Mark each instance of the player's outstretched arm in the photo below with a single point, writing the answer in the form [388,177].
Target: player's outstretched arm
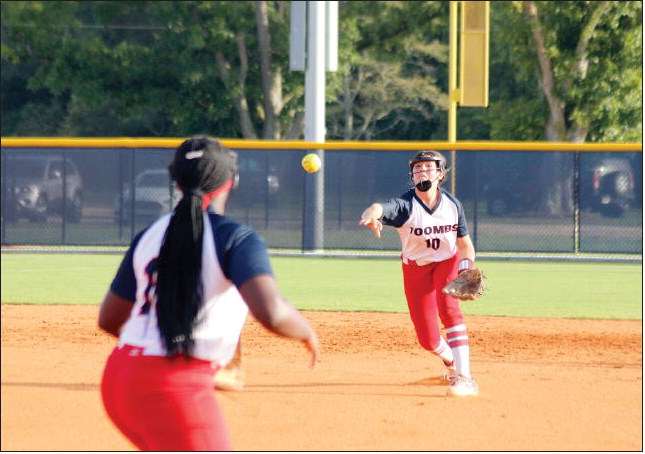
[277,314]
[371,218]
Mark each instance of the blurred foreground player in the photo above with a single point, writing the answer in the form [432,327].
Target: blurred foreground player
[178,304]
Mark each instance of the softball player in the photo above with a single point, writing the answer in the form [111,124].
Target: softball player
[435,248]
[178,304]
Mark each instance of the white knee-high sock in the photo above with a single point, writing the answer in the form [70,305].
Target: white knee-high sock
[458,341]
[462,360]
[444,352]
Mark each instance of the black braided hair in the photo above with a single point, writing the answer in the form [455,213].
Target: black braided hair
[200,166]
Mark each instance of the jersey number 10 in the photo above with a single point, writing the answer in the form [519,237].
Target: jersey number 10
[433,243]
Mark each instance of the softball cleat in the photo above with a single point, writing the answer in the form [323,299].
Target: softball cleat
[450,374]
[463,386]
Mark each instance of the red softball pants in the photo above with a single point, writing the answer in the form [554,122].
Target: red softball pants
[426,302]
[163,404]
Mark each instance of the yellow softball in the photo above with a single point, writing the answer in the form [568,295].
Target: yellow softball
[311,163]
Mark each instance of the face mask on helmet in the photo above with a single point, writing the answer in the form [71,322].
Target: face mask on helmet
[424,186]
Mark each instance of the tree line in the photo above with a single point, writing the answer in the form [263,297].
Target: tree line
[559,71]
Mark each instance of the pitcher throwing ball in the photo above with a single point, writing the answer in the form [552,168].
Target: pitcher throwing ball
[435,247]
[178,304]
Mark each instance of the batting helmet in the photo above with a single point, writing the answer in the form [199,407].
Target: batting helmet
[429,155]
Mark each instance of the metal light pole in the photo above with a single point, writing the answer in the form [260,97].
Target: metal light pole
[316,23]
[453,92]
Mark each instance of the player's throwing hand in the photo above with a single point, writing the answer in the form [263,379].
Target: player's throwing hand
[371,218]
[373,224]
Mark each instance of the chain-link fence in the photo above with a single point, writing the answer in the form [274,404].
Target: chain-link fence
[531,202]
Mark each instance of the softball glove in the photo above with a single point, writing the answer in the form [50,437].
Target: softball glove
[469,285]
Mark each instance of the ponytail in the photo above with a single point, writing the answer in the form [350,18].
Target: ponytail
[201,166]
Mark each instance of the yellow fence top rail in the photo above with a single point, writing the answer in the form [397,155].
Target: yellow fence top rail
[127,142]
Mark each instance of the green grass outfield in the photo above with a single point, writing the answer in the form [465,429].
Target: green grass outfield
[521,288]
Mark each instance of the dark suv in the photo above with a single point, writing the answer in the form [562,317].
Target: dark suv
[39,185]
[606,186]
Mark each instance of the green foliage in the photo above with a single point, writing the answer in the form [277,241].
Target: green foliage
[140,68]
[391,59]
[601,88]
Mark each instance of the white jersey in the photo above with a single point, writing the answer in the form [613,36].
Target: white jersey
[228,249]
[427,235]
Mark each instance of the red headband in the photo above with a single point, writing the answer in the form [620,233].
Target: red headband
[221,190]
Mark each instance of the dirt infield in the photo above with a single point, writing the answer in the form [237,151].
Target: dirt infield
[546,385]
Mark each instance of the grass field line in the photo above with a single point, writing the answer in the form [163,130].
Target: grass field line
[515,288]
[348,254]
[77,268]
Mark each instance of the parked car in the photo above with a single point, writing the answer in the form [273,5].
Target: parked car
[606,186]
[253,173]
[259,183]
[35,185]
[154,194]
